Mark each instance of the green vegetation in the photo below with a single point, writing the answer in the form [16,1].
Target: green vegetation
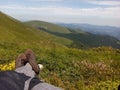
[69,68]
[13,30]
[80,39]
[49,26]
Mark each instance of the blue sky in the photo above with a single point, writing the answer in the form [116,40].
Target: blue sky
[98,12]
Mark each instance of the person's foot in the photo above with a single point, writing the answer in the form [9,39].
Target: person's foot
[20,61]
[31,59]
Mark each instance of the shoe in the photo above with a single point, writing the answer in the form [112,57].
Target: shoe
[20,61]
[31,59]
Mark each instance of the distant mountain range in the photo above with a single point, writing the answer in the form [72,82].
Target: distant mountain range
[15,31]
[95,29]
[79,37]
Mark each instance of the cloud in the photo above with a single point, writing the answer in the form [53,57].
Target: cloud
[111,12]
[110,15]
[47,0]
[111,3]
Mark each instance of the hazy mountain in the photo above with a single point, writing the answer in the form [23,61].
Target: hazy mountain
[80,38]
[95,29]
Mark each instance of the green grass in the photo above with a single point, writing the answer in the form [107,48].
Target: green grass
[69,68]
[49,26]
[13,30]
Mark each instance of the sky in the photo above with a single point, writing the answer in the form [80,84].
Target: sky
[97,12]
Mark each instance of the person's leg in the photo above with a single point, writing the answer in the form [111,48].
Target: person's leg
[27,70]
[32,61]
[31,68]
[45,86]
[21,60]
[26,63]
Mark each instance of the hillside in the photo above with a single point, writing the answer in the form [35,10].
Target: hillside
[48,26]
[95,29]
[80,38]
[13,30]
[69,68]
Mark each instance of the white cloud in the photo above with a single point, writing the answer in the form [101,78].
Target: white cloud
[47,0]
[65,14]
[111,12]
[112,3]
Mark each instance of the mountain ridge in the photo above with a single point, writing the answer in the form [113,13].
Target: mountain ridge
[95,29]
[46,25]
[80,38]
[14,30]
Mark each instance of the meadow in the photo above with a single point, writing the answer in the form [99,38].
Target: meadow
[95,68]
[69,68]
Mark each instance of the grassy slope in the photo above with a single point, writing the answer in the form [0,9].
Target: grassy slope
[13,30]
[72,69]
[49,26]
[81,39]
